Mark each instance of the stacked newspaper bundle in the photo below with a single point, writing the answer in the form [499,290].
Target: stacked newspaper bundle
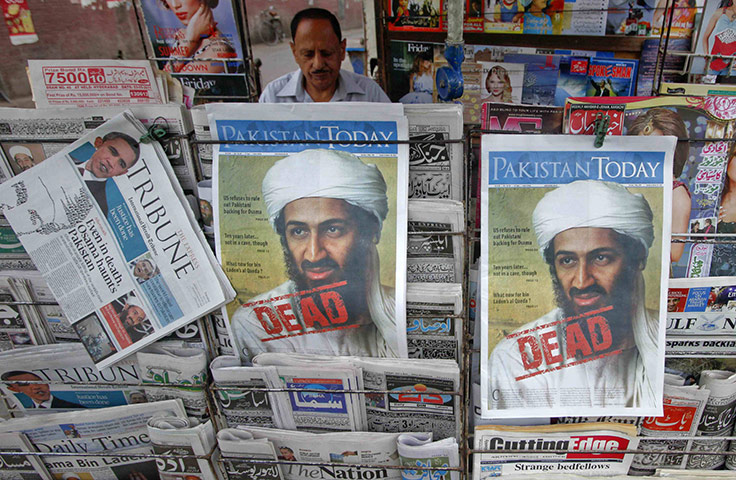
[175,372]
[117,430]
[717,420]
[418,451]
[62,376]
[16,466]
[239,448]
[185,437]
[553,449]
[312,455]
[431,330]
[21,325]
[434,254]
[435,168]
[107,225]
[201,127]
[421,394]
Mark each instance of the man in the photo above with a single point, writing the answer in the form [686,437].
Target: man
[134,319]
[112,155]
[22,157]
[144,269]
[328,207]
[39,393]
[600,343]
[319,49]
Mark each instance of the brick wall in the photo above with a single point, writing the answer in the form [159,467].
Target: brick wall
[67,30]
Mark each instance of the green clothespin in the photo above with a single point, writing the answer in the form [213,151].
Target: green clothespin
[155,132]
[600,129]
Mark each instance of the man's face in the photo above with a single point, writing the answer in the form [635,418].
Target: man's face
[319,53]
[23,161]
[134,316]
[287,453]
[39,392]
[589,263]
[112,158]
[143,269]
[320,235]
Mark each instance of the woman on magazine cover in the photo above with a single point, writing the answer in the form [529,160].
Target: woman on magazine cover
[536,20]
[662,121]
[421,80]
[723,19]
[199,39]
[498,85]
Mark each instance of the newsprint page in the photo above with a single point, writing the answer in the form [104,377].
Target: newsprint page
[313,235]
[573,289]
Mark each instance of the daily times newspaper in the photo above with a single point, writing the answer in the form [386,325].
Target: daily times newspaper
[118,430]
[313,236]
[573,288]
[104,221]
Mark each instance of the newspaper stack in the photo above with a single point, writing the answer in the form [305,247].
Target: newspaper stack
[172,435]
[107,225]
[118,430]
[24,139]
[21,324]
[175,372]
[717,420]
[202,133]
[436,169]
[65,378]
[434,254]
[430,332]
[553,449]
[238,447]
[95,83]
[418,451]
[683,409]
[326,455]
[17,466]
[222,335]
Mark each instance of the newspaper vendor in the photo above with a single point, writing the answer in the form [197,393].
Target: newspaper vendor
[329,226]
[319,50]
[595,237]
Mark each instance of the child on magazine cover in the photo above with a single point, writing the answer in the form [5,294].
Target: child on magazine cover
[535,18]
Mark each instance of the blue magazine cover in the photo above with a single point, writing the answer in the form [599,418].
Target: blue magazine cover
[611,77]
[540,77]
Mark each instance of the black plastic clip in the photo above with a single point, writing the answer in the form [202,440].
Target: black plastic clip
[600,129]
[155,132]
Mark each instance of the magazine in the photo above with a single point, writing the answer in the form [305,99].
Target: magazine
[501,82]
[346,293]
[557,332]
[411,71]
[104,221]
[608,77]
[577,17]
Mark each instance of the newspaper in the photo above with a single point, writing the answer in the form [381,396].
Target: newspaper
[561,322]
[66,378]
[202,132]
[238,446]
[93,83]
[683,409]
[345,296]
[175,372]
[119,430]
[17,329]
[17,466]
[338,450]
[111,236]
[436,170]
[23,131]
[430,333]
[434,255]
[717,420]
[553,449]
[171,435]
[701,307]
[418,451]
[222,334]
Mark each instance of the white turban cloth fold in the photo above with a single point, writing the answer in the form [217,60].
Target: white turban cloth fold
[13,151]
[593,203]
[327,174]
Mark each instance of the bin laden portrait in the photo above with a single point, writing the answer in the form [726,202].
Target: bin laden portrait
[600,344]
[328,209]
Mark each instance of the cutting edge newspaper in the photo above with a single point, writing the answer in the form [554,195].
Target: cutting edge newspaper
[539,446]
[116,242]
[537,368]
[302,308]
[117,430]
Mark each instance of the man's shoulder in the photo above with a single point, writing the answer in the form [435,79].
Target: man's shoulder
[270,93]
[373,91]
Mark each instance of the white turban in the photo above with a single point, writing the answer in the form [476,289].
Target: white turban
[13,151]
[327,174]
[592,203]
[132,301]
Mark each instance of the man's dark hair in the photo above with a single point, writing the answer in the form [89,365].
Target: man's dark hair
[15,373]
[315,13]
[128,139]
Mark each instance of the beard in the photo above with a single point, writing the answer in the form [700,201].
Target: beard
[355,273]
[621,298]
